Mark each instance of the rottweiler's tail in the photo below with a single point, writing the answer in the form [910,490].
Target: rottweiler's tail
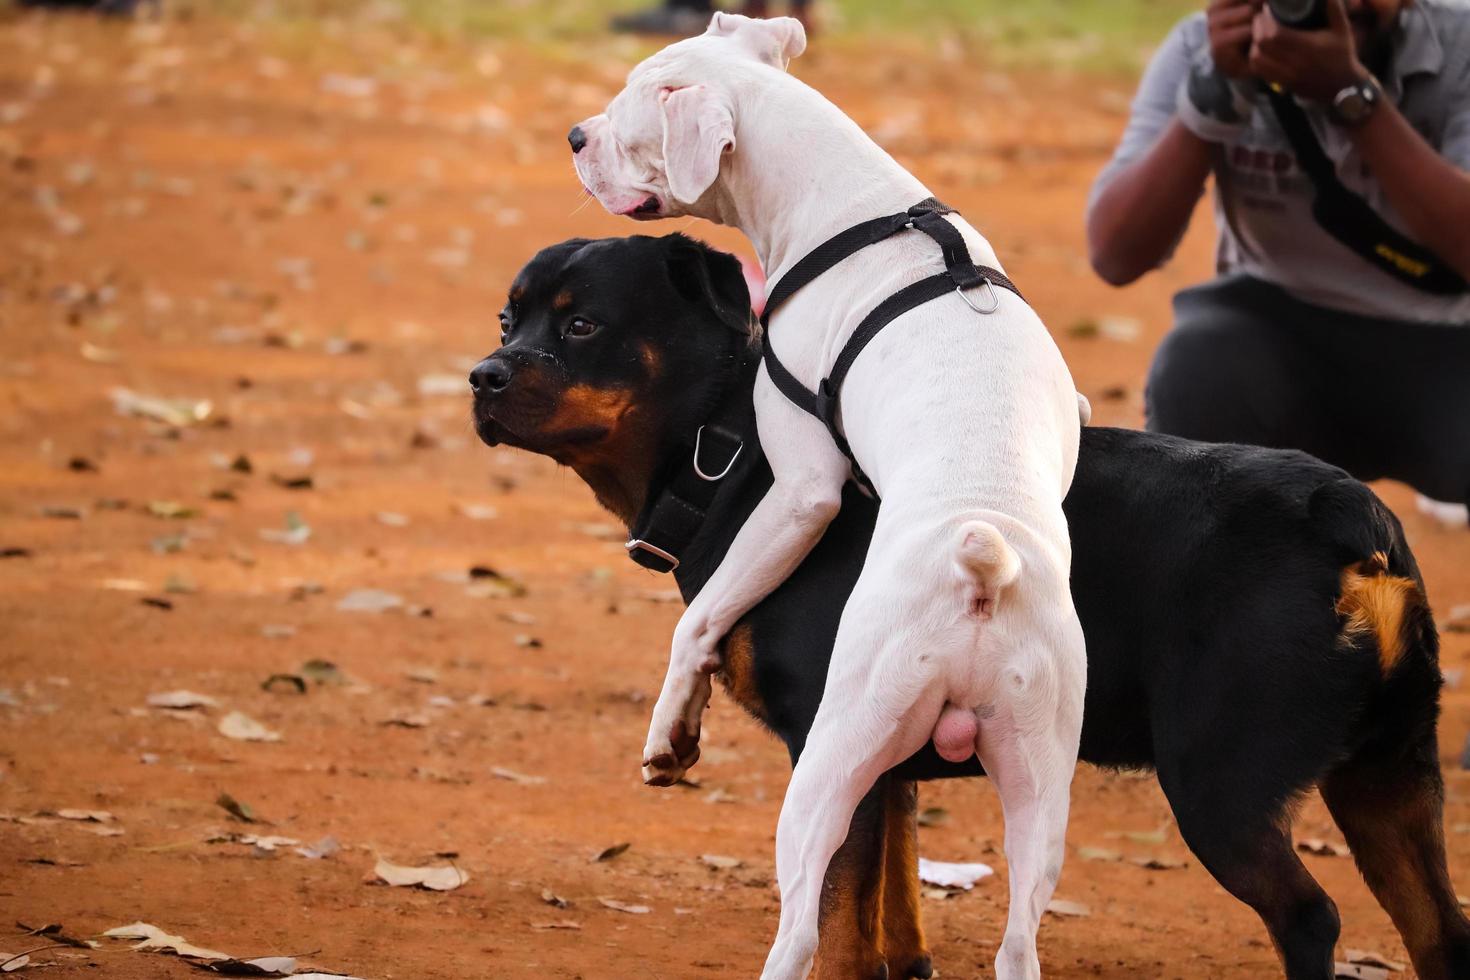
[988,565]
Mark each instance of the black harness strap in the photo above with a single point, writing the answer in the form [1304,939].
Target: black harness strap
[960,275]
[1352,221]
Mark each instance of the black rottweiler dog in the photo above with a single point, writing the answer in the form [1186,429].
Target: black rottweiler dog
[1256,625]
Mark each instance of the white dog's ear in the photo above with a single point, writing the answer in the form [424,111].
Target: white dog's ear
[698,129]
[775,41]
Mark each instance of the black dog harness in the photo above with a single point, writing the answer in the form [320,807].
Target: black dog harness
[960,275]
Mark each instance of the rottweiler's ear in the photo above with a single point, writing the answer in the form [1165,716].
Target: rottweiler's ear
[710,278]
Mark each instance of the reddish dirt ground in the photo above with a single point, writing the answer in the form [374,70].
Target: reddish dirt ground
[302,228]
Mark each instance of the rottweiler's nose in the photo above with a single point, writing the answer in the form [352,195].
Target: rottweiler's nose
[490,375]
[577,138]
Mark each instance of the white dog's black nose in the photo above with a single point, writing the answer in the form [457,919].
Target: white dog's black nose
[577,138]
[490,375]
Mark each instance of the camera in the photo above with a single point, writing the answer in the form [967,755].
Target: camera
[1303,15]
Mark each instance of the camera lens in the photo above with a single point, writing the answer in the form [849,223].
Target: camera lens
[1300,14]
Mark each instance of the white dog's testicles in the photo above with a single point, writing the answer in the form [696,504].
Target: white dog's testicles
[961,628]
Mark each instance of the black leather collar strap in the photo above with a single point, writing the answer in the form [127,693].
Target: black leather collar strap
[1352,221]
[675,513]
[960,275]
[681,495]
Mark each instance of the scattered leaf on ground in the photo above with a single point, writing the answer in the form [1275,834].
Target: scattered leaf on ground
[440,879]
[618,906]
[610,852]
[90,816]
[1099,854]
[155,938]
[240,811]
[323,848]
[1061,906]
[933,816]
[266,966]
[1363,957]
[559,924]
[500,772]
[181,700]
[1322,848]
[719,862]
[243,728]
[552,898]
[369,601]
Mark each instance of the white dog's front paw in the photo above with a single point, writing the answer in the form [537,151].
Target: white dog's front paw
[669,754]
[673,736]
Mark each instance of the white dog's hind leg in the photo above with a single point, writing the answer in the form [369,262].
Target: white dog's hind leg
[1029,753]
[855,738]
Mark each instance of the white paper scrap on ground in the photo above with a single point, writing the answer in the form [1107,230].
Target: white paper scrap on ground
[949,875]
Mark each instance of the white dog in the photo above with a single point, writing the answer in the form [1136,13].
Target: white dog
[961,627]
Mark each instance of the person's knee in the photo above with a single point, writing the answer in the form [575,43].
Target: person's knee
[1195,383]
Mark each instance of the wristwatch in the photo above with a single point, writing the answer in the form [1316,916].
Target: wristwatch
[1353,105]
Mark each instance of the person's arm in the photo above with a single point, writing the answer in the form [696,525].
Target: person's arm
[1143,202]
[1137,220]
[1428,190]
[1430,193]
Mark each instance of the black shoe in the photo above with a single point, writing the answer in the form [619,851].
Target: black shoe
[670,21]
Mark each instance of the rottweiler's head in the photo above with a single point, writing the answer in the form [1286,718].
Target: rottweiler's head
[610,350]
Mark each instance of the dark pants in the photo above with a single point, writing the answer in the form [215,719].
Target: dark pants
[1247,362]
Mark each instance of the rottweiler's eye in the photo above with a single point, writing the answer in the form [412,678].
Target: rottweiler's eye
[580,327]
[504,326]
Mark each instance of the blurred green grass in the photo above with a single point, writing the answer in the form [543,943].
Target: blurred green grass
[1104,35]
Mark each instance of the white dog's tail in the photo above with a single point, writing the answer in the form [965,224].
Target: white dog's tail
[988,565]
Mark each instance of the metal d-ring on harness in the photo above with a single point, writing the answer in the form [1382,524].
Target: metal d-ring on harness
[960,275]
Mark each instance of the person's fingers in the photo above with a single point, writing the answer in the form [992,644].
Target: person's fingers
[1230,37]
[1230,16]
[1269,68]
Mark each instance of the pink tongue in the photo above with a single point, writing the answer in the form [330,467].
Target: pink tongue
[954,734]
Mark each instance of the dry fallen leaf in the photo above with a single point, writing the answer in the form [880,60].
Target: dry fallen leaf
[440,879]
[90,816]
[719,862]
[265,966]
[323,848]
[155,938]
[369,601]
[243,728]
[1061,906]
[181,700]
[610,852]
[1099,854]
[1363,957]
[240,811]
[500,772]
[10,962]
[1322,848]
[559,924]
[552,898]
[618,906]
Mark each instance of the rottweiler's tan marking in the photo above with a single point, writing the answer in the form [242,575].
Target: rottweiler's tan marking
[1375,603]
[561,301]
[737,674]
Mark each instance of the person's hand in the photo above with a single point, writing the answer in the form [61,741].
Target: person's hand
[1231,31]
[1315,65]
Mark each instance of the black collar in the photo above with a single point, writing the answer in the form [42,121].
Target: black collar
[681,495]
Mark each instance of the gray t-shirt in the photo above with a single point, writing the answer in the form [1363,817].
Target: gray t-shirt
[1263,201]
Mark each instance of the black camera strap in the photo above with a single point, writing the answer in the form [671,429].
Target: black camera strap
[1351,220]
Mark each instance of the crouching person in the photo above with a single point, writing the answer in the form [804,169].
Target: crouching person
[1338,133]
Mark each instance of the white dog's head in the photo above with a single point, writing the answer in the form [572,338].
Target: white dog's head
[658,147]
